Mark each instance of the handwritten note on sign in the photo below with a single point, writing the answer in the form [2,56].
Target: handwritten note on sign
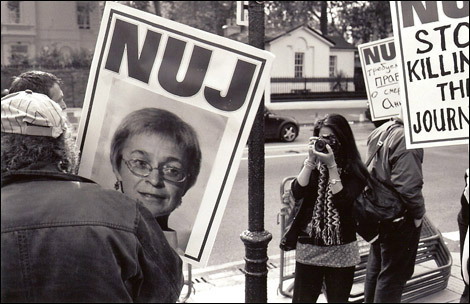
[146,64]
[381,75]
[432,43]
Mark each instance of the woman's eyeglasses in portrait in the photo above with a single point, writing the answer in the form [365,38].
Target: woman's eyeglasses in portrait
[142,168]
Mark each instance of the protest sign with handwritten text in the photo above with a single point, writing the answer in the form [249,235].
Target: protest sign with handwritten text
[432,44]
[381,75]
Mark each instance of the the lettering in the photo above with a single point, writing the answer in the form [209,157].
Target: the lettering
[237,91]
[388,104]
[433,67]
[422,36]
[386,80]
[391,91]
[454,87]
[419,37]
[427,12]
[376,54]
[383,68]
[440,120]
[457,36]
[125,35]
[125,38]
[171,63]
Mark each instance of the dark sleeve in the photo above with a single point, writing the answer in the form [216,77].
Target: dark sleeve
[351,188]
[299,192]
[160,266]
[407,178]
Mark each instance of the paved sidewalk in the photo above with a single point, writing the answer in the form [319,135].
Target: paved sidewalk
[226,284]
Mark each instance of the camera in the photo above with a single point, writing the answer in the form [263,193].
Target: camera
[320,145]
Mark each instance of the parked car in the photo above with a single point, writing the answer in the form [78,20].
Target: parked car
[283,128]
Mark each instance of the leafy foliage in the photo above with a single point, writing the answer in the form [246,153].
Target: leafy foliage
[361,21]
[288,14]
[18,59]
[209,16]
[50,56]
[356,21]
[81,58]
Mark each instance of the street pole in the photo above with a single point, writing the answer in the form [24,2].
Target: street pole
[256,239]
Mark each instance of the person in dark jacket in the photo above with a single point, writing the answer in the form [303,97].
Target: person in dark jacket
[64,238]
[462,221]
[328,183]
[392,257]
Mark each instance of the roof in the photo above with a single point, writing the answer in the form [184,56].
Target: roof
[337,41]
[340,43]
[308,28]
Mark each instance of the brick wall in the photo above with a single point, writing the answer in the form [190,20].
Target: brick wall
[74,82]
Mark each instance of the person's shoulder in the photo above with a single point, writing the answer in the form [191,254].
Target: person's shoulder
[397,131]
[62,203]
[103,205]
[377,132]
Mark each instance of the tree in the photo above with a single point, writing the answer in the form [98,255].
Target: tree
[209,16]
[50,56]
[361,21]
[282,15]
[355,21]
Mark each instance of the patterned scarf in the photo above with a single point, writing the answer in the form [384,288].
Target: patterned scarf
[325,223]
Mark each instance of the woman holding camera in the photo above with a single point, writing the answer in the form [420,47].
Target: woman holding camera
[322,228]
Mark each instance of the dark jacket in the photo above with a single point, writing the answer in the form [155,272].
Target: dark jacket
[302,212]
[463,215]
[65,239]
[399,167]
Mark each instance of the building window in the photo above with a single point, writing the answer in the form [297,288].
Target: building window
[333,69]
[83,14]
[14,11]
[299,65]
[19,54]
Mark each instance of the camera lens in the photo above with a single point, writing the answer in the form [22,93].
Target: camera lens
[320,146]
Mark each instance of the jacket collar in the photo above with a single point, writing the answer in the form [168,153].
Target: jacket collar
[398,120]
[23,176]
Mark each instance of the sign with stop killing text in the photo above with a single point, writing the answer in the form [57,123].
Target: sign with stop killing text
[381,75]
[145,67]
[432,44]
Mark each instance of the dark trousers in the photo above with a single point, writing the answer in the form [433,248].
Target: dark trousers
[309,281]
[391,262]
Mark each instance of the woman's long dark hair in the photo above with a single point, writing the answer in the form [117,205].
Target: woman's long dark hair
[348,156]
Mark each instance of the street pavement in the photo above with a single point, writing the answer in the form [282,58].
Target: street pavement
[226,283]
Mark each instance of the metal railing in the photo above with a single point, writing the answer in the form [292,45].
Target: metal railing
[282,85]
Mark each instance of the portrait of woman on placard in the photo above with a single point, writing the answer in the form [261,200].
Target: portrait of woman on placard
[156,159]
